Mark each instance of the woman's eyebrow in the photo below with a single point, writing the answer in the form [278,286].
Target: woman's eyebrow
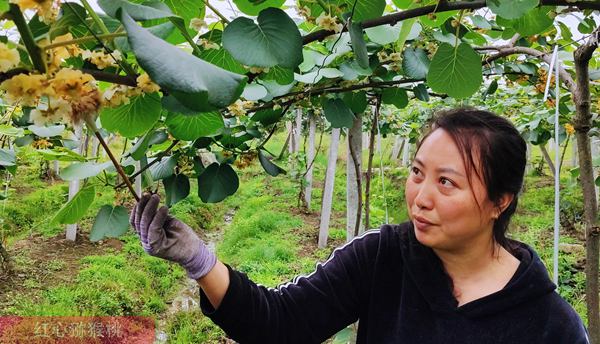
[440,169]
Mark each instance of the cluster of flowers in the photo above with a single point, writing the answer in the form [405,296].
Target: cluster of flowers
[69,95]
[240,107]
[394,60]
[47,10]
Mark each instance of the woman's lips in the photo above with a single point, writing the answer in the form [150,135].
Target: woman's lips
[422,223]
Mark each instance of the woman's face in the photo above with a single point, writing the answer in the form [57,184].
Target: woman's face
[448,213]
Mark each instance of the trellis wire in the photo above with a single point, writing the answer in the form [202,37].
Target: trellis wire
[555,62]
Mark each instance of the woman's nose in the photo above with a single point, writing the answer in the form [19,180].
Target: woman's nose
[424,197]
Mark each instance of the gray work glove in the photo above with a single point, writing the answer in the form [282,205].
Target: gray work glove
[164,236]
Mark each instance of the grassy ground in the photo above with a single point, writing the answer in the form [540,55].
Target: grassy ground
[270,238]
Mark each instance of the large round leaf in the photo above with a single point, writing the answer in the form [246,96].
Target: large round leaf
[511,9]
[82,170]
[76,208]
[137,11]
[274,41]
[254,7]
[356,101]
[47,131]
[132,119]
[533,22]
[223,59]
[111,222]
[195,83]
[365,9]
[217,182]
[455,71]
[282,76]
[188,128]
[177,187]
[415,63]
[338,113]
[384,34]
[163,169]
[395,96]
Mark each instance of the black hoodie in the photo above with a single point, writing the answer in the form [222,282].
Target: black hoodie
[399,292]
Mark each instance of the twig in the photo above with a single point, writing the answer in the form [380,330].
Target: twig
[157,158]
[84,40]
[358,183]
[374,127]
[216,11]
[92,126]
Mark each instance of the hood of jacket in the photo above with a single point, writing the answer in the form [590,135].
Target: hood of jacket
[530,281]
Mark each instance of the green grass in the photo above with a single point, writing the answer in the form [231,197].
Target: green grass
[126,283]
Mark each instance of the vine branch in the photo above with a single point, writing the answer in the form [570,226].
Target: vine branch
[158,157]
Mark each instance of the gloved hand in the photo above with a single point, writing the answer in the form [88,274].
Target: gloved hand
[164,236]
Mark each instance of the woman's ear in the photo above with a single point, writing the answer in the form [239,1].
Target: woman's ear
[503,203]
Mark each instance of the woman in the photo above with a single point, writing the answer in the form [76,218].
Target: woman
[447,276]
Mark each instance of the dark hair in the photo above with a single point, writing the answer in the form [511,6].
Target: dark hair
[502,156]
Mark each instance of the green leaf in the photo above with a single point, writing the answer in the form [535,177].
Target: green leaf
[60,154]
[384,34]
[396,96]
[76,208]
[111,222]
[365,9]
[132,119]
[217,182]
[533,22]
[268,165]
[141,146]
[3,6]
[491,89]
[8,160]
[338,114]
[415,63]
[267,116]
[71,13]
[282,76]
[47,131]
[254,92]
[191,127]
[356,101]
[9,130]
[359,47]
[421,93]
[163,169]
[82,170]
[195,83]
[137,11]
[439,18]
[177,187]
[222,58]
[511,9]
[161,31]
[455,71]
[253,8]
[274,41]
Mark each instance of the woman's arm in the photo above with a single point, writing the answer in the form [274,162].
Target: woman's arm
[307,310]
[215,284]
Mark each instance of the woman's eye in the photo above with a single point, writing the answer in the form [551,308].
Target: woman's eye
[415,170]
[446,182]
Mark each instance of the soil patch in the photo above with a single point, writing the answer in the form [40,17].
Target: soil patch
[38,263]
